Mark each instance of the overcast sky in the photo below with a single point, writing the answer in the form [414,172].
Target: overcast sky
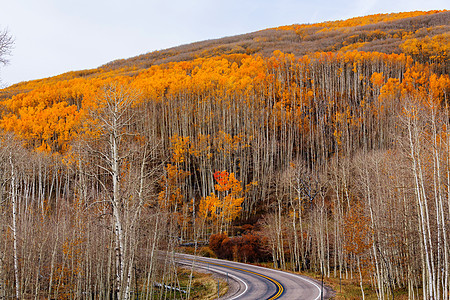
[57,36]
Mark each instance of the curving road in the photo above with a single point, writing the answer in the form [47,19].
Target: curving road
[254,282]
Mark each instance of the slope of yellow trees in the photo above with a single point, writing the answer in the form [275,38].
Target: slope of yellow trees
[63,104]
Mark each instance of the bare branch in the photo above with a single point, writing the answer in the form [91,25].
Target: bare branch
[6,44]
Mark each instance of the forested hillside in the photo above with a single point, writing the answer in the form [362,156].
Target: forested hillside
[320,147]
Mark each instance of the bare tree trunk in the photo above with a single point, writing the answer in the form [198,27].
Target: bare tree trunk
[360,280]
[117,207]
[14,227]
[421,199]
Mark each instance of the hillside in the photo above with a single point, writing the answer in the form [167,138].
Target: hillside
[385,33]
[382,33]
[321,148]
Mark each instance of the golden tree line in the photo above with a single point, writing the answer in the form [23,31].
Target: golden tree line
[359,21]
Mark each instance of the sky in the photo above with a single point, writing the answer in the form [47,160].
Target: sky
[57,36]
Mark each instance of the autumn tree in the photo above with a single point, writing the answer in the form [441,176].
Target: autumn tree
[225,207]
[116,143]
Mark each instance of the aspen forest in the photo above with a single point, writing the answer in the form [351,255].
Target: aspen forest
[321,148]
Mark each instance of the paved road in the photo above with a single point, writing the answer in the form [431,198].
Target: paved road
[253,282]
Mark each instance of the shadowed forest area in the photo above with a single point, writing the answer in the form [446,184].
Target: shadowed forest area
[319,148]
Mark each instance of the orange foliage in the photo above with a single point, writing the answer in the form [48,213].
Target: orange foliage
[226,207]
[357,231]
[179,147]
[435,49]
[48,115]
[171,182]
[171,197]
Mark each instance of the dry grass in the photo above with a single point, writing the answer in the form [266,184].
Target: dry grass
[204,285]
[350,289]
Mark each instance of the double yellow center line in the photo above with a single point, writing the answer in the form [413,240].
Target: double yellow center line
[279,286]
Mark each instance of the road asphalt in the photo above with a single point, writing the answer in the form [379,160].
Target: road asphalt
[253,282]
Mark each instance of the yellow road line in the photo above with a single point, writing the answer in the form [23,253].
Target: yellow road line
[280,287]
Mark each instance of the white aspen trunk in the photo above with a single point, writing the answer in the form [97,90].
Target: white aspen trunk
[447,272]
[280,237]
[127,295]
[372,220]
[109,270]
[52,266]
[439,213]
[429,275]
[38,269]
[428,231]
[446,248]
[328,247]
[424,267]
[152,254]
[14,227]
[133,224]
[296,250]
[361,281]
[117,207]
[322,240]
[115,120]
[300,222]
[432,279]
[40,193]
